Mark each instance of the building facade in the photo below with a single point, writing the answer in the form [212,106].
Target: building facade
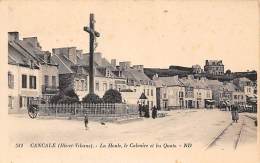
[214,67]
[27,66]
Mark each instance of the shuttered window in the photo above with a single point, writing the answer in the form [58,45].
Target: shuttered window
[32,82]
[10,80]
[24,81]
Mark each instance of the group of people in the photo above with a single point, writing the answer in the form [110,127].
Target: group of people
[144,111]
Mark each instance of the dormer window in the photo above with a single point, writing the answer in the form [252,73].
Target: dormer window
[31,64]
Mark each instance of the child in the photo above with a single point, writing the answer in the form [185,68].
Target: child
[86,120]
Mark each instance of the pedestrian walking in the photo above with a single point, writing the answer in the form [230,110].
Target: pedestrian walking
[86,120]
[140,110]
[234,113]
[154,112]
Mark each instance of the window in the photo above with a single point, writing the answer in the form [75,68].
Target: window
[147,92]
[235,96]
[144,91]
[46,80]
[10,80]
[181,94]
[10,102]
[53,81]
[76,84]
[164,95]
[104,86]
[24,81]
[151,92]
[32,82]
[86,85]
[82,85]
[21,101]
[97,86]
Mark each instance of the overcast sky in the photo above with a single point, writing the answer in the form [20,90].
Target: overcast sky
[153,33]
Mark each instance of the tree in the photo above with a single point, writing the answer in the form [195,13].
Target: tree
[71,93]
[228,72]
[56,98]
[92,98]
[112,96]
[66,96]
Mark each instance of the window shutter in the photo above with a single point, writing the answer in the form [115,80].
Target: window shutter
[12,81]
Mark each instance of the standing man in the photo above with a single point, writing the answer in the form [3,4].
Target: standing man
[154,112]
[86,120]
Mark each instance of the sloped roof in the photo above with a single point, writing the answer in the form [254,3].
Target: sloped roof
[171,81]
[230,87]
[18,55]
[24,52]
[136,75]
[64,67]
[244,79]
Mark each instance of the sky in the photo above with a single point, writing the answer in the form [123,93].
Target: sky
[153,33]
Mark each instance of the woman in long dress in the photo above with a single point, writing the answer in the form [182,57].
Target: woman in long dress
[234,113]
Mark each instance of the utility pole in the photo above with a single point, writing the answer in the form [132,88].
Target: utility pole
[92,37]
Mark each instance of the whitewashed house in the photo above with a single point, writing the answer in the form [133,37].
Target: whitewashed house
[170,92]
[137,83]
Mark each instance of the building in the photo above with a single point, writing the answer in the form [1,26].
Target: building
[27,64]
[214,67]
[138,83]
[197,92]
[170,92]
[196,69]
[74,72]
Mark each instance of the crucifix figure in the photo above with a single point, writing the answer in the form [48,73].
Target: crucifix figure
[92,37]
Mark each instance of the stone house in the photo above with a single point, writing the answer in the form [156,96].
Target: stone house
[172,92]
[139,83]
[74,72]
[214,67]
[25,71]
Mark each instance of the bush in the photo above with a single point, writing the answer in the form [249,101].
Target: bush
[55,99]
[66,96]
[71,93]
[67,99]
[112,96]
[92,98]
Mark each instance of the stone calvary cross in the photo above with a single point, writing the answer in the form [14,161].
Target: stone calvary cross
[92,36]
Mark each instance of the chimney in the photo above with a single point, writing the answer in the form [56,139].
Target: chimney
[207,62]
[125,65]
[190,77]
[113,62]
[12,36]
[72,54]
[33,41]
[139,67]
[98,58]
[79,53]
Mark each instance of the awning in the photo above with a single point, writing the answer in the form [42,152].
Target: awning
[210,101]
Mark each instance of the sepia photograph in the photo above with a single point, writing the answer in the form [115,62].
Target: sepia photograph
[131,81]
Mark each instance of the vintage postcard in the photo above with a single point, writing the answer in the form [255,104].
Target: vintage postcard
[129,81]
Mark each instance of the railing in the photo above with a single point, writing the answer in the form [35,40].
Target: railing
[49,89]
[93,110]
